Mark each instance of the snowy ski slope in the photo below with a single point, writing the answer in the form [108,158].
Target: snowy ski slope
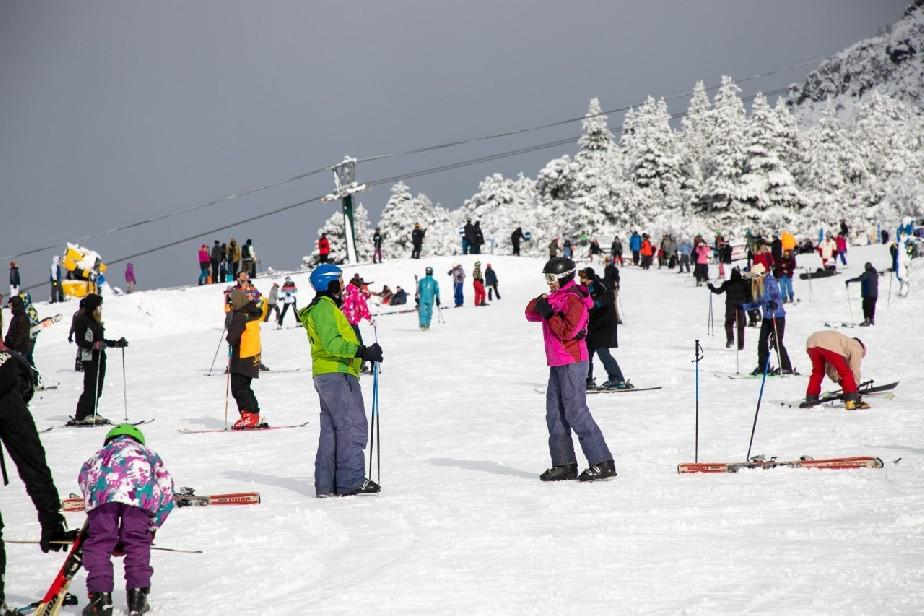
[463,525]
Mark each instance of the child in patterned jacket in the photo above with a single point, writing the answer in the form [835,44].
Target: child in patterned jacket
[127,495]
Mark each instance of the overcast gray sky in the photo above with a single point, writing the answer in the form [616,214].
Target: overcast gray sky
[116,111]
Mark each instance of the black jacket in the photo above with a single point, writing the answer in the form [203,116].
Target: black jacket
[516,236]
[417,236]
[377,239]
[237,322]
[88,331]
[216,255]
[490,276]
[469,232]
[737,290]
[17,335]
[869,283]
[601,328]
[14,276]
[611,277]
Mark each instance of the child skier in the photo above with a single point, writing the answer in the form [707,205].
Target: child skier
[478,285]
[563,314]
[243,326]
[336,356]
[127,494]
[289,291]
[869,291]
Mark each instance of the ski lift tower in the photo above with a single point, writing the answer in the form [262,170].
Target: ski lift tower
[345,182]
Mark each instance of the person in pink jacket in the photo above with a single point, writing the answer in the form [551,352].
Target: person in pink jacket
[355,307]
[841,243]
[205,264]
[563,313]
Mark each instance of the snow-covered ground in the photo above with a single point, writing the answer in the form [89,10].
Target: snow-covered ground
[463,525]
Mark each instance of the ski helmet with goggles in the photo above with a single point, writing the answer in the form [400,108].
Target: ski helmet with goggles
[428,271]
[323,275]
[126,429]
[559,269]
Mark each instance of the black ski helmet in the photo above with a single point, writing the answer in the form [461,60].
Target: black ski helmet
[428,271]
[562,267]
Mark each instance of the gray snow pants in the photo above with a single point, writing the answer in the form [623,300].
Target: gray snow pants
[566,410]
[340,462]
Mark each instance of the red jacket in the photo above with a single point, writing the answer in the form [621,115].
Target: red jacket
[765,259]
[323,246]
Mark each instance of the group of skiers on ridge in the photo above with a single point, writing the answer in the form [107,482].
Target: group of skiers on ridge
[222,262]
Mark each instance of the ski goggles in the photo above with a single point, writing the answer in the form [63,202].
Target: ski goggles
[550,278]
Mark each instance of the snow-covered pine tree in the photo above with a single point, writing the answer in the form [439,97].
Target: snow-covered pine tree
[401,213]
[726,157]
[693,145]
[501,205]
[653,161]
[835,171]
[767,183]
[333,227]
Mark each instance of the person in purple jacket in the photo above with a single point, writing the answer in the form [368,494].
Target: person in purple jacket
[127,494]
[563,313]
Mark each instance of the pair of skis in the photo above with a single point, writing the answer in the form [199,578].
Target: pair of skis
[846,463]
[184,497]
[864,389]
[260,428]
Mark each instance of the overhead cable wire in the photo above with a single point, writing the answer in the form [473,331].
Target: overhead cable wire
[171,214]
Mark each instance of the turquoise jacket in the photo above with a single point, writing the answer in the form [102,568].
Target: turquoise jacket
[428,290]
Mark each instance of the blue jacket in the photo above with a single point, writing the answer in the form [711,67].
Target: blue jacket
[771,294]
[635,242]
[685,247]
[428,290]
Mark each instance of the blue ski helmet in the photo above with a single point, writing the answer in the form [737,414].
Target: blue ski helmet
[323,275]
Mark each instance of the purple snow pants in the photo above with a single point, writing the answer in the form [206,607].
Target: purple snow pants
[339,463]
[111,524]
[566,410]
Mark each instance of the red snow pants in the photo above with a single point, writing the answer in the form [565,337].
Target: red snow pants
[821,357]
[479,292]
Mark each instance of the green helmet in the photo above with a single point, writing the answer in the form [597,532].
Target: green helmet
[125,429]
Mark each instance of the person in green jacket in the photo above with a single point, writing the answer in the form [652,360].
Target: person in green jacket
[336,358]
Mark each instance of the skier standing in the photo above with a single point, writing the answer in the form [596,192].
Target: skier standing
[57,294]
[377,238]
[647,250]
[18,333]
[788,264]
[128,495]
[249,259]
[635,245]
[289,293]
[478,285]
[205,262]
[737,293]
[14,278]
[563,314]
[417,238]
[837,355]
[234,258]
[827,250]
[130,277]
[774,322]
[355,307]
[553,248]
[336,356]
[272,302]
[216,260]
[701,269]
[840,243]
[684,249]
[428,291]
[88,333]
[458,281]
[18,434]
[243,326]
[869,292]
[612,281]
[323,248]
[515,238]
[616,249]
[602,331]
[490,280]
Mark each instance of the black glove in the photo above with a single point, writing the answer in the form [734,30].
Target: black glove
[122,342]
[437,301]
[370,353]
[846,283]
[70,338]
[544,309]
[711,288]
[53,530]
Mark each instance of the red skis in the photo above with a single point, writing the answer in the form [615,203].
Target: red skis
[54,598]
[183,499]
[803,462]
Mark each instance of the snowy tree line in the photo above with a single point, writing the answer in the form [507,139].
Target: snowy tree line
[718,171]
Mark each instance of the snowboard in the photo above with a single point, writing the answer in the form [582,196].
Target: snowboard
[760,462]
[819,273]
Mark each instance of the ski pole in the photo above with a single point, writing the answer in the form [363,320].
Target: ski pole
[99,361]
[891,276]
[709,318]
[849,306]
[375,433]
[124,386]
[777,344]
[622,312]
[698,355]
[811,289]
[224,329]
[228,385]
[760,397]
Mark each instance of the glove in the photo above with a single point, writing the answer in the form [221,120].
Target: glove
[370,353]
[846,283]
[70,338]
[543,308]
[437,301]
[711,288]
[121,343]
[53,530]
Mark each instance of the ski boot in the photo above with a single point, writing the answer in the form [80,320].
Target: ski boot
[611,384]
[366,487]
[852,402]
[138,601]
[591,384]
[866,323]
[248,421]
[89,420]
[562,472]
[601,470]
[809,402]
[100,604]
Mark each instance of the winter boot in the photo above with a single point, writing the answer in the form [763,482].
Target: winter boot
[89,420]
[138,601]
[100,604]
[366,487]
[248,421]
[591,384]
[865,323]
[809,402]
[563,472]
[853,403]
[601,470]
